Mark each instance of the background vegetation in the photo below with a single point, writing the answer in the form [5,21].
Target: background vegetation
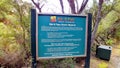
[15,30]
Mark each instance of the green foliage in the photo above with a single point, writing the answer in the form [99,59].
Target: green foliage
[110,22]
[15,35]
[6,31]
[7,37]
[14,31]
[117,6]
[118,32]
[110,19]
[103,65]
[5,7]
[58,63]
[67,63]
[107,22]
[110,42]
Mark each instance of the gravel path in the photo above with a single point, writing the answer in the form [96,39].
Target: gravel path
[115,58]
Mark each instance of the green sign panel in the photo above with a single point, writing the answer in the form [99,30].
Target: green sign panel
[60,36]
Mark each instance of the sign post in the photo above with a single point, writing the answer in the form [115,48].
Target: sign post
[60,36]
[87,60]
[33,37]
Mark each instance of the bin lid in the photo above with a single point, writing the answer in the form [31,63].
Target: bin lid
[105,47]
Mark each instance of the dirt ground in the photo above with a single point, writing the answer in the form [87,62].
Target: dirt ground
[113,63]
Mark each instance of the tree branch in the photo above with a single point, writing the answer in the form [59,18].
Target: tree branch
[82,6]
[72,6]
[61,3]
[77,5]
[37,5]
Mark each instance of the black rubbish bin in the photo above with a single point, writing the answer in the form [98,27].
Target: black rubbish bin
[103,52]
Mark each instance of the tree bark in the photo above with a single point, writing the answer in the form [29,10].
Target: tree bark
[77,5]
[98,18]
[82,6]
[61,3]
[72,6]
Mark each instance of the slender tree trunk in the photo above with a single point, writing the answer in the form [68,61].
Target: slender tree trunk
[77,5]
[72,6]
[61,3]
[82,6]
[98,18]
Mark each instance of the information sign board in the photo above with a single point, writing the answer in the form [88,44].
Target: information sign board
[60,36]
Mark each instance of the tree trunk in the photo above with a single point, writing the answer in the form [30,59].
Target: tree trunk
[72,6]
[61,3]
[98,18]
